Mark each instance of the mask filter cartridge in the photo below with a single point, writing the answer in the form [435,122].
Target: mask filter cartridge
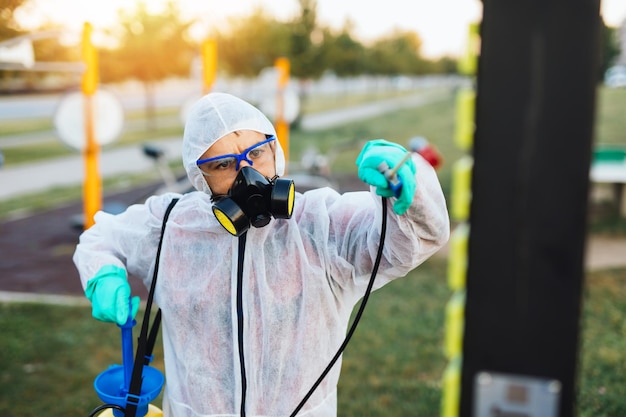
[253,200]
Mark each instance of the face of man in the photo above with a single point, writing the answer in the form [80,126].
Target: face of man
[232,152]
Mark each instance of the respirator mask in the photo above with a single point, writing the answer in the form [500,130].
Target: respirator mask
[254,200]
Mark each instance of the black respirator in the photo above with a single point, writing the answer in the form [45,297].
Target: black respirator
[254,200]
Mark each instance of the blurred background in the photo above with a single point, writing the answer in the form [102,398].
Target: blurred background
[357,71]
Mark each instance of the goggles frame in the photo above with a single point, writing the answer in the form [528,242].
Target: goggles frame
[238,158]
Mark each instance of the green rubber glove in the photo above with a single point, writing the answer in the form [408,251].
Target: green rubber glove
[109,293]
[379,150]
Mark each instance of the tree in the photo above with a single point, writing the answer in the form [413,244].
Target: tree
[443,65]
[345,55]
[252,43]
[610,47]
[9,28]
[46,47]
[306,50]
[398,53]
[152,48]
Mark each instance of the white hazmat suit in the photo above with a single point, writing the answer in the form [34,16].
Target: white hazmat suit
[302,277]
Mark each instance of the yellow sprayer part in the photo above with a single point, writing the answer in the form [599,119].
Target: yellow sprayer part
[153,411]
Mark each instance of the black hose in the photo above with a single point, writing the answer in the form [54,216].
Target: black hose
[368,291]
[104,407]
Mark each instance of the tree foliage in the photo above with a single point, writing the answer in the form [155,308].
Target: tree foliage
[306,50]
[254,42]
[345,55]
[610,47]
[152,48]
[398,53]
[251,43]
[9,28]
[155,46]
[46,48]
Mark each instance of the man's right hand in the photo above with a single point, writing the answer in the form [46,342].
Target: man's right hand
[109,293]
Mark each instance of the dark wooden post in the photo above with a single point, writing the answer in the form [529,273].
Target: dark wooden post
[536,85]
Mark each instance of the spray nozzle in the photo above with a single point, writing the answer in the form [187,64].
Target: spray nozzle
[391,174]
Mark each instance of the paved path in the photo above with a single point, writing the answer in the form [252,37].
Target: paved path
[602,252]
[605,252]
[31,178]
[34,138]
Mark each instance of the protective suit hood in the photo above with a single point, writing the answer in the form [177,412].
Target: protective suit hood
[211,118]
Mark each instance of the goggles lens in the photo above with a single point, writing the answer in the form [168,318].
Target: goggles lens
[228,165]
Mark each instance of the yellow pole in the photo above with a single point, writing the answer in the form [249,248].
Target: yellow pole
[281,125]
[209,64]
[92,186]
[460,210]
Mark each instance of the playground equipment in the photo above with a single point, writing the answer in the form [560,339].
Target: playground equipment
[18,54]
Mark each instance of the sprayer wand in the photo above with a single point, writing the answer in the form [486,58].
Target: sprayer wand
[391,174]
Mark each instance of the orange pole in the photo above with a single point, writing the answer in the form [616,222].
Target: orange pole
[92,186]
[209,64]
[281,125]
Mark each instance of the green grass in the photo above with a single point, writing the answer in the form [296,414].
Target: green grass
[54,148]
[60,196]
[434,121]
[318,103]
[11,127]
[20,126]
[393,366]
[35,152]
[602,390]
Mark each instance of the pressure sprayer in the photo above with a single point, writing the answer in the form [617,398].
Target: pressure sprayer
[113,385]
[128,389]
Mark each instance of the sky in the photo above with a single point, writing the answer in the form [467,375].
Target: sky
[442,24]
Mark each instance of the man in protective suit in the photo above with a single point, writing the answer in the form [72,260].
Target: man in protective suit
[303,270]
